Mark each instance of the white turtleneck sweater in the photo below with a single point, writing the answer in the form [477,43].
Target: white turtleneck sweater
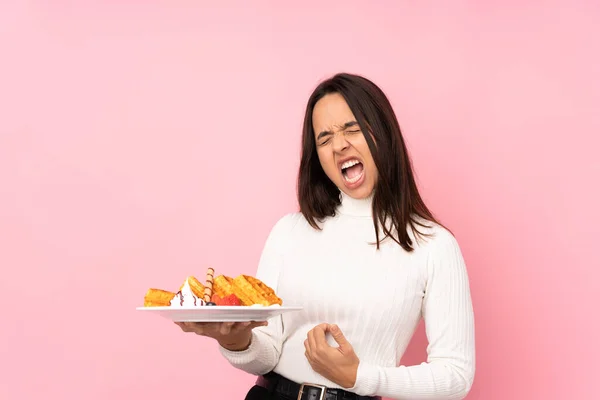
[376,297]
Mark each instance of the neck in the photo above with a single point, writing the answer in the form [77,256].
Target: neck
[355,207]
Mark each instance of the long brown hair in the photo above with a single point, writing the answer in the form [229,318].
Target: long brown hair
[396,198]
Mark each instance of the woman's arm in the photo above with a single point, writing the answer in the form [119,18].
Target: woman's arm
[265,346]
[448,315]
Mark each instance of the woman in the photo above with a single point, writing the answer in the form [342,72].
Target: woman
[366,259]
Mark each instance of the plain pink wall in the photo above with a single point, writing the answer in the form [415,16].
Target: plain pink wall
[143,142]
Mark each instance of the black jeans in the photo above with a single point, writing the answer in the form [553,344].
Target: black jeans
[261,393]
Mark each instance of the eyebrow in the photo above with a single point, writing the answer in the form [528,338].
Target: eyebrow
[347,125]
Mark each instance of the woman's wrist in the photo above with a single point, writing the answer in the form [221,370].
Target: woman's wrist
[351,376]
[238,345]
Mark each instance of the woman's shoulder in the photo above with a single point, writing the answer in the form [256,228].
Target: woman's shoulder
[282,230]
[289,220]
[286,223]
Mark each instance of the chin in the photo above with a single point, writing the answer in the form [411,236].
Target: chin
[359,193]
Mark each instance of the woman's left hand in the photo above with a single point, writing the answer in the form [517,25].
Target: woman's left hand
[338,364]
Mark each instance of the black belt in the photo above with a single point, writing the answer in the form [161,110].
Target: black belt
[306,391]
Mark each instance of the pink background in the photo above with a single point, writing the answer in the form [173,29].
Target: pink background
[143,142]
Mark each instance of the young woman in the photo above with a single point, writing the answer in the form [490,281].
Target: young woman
[366,259]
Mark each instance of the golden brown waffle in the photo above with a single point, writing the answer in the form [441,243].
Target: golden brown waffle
[248,289]
[158,298]
[196,286]
[222,286]
[266,292]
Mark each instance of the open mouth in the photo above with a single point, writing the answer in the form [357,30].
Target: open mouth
[352,170]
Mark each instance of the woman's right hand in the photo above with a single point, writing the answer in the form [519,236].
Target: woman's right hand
[234,336]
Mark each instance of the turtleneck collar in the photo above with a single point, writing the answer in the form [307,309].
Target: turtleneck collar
[356,207]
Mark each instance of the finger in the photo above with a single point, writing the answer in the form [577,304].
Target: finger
[182,326]
[247,325]
[240,326]
[319,338]
[256,324]
[225,328]
[212,329]
[312,344]
[194,327]
[338,336]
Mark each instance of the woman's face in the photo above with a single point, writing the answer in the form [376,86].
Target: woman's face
[342,149]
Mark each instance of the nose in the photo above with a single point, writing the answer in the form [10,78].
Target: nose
[339,142]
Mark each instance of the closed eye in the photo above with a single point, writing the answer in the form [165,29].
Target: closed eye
[327,138]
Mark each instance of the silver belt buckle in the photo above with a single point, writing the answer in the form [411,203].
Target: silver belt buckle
[323,390]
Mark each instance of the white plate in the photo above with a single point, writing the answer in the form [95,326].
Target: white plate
[218,313]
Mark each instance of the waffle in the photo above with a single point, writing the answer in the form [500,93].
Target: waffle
[267,293]
[223,286]
[158,298]
[248,289]
[196,286]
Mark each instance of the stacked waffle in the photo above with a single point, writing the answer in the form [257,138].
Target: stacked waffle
[222,290]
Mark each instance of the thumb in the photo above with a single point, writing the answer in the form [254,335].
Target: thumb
[338,336]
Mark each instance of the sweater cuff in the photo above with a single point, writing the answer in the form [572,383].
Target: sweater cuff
[367,380]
